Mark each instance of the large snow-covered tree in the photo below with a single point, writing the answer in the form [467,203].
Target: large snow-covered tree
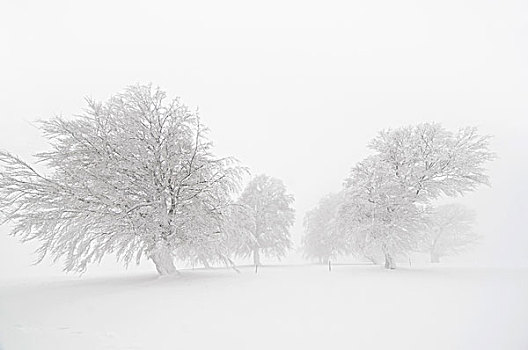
[262,221]
[411,166]
[449,230]
[323,238]
[134,176]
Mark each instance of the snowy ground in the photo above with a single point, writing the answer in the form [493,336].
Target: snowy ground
[281,307]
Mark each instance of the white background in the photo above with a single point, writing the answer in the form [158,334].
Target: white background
[291,89]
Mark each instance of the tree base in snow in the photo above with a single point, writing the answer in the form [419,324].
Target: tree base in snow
[390,264]
[164,262]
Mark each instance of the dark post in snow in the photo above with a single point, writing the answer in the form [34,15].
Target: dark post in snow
[329,265]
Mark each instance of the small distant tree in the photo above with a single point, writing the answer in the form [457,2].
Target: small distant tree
[449,230]
[263,219]
[134,176]
[322,238]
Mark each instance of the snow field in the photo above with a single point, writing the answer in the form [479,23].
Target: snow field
[281,307]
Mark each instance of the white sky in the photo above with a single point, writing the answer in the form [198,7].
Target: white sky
[291,88]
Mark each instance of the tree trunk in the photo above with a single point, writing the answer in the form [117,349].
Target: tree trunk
[205,263]
[162,258]
[256,257]
[435,258]
[389,261]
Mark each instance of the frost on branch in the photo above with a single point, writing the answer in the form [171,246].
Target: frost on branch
[262,219]
[134,176]
[429,160]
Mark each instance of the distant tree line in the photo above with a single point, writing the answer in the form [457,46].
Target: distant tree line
[386,207]
[136,176]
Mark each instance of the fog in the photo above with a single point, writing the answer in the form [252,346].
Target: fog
[292,89]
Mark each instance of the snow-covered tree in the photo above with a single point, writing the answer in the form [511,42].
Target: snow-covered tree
[377,213]
[411,166]
[262,220]
[449,230]
[134,176]
[322,238]
[428,160]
